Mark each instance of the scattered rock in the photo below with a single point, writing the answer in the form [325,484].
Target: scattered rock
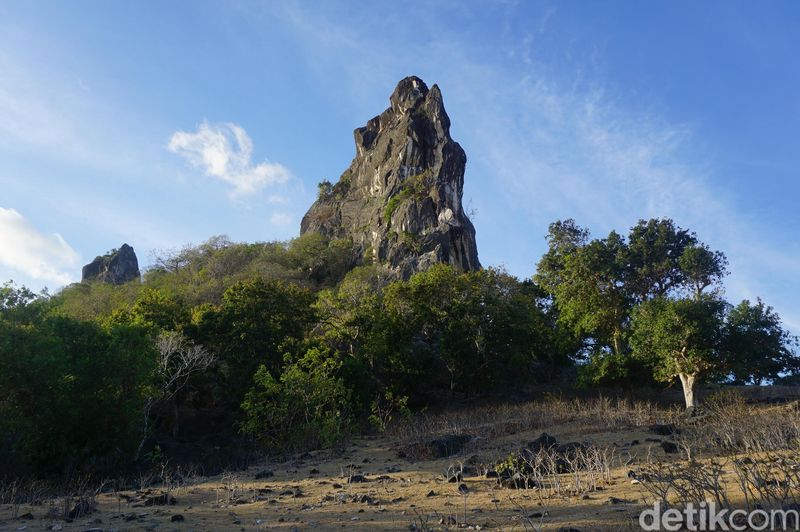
[364,499]
[570,450]
[357,479]
[177,518]
[544,441]
[431,494]
[165,499]
[443,447]
[81,509]
[518,481]
[669,447]
[663,430]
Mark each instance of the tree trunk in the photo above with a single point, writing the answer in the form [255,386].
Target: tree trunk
[688,381]
[617,342]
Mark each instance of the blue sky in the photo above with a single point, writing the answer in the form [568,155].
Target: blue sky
[164,123]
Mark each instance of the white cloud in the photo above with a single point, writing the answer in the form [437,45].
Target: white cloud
[224,151]
[280,218]
[26,250]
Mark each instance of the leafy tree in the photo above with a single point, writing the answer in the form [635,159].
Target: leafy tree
[71,392]
[756,345]
[477,331]
[702,268]
[563,239]
[158,311]
[654,252]
[596,284]
[258,322]
[679,338]
[307,407]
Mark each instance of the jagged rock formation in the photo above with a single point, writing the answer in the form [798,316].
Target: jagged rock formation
[400,199]
[118,266]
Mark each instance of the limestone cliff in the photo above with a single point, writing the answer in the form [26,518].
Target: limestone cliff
[116,267]
[400,199]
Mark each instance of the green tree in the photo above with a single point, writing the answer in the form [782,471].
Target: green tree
[680,338]
[72,393]
[475,332]
[757,346]
[307,407]
[596,284]
[258,322]
[158,310]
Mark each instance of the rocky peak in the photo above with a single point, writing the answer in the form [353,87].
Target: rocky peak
[118,266]
[400,199]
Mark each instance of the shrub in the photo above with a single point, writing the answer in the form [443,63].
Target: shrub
[308,407]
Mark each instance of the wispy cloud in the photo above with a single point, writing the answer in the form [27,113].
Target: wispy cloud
[225,151]
[40,256]
[549,136]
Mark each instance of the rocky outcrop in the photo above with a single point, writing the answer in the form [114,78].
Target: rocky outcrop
[118,266]
[400,199]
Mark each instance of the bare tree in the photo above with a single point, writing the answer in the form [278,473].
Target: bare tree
[178,359]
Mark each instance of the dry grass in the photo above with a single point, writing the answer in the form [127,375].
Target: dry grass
[739,454]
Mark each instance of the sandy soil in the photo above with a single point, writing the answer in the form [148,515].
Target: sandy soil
[313,493]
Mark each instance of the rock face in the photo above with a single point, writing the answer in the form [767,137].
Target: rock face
[115,267]
[400,199]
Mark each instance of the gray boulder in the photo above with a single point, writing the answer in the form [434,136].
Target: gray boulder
[118,266]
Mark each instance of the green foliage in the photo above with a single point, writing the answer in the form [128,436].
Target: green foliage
[158,311]
[596,285]
[513,464]
[308,407]
[477,331]
[71,392]
[757,347]
[679,336]
[94,301]
[414,187]
[325,189]
[298,346]
[384,409]
[258,322]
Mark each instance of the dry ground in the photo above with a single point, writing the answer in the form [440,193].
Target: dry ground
[313,492]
